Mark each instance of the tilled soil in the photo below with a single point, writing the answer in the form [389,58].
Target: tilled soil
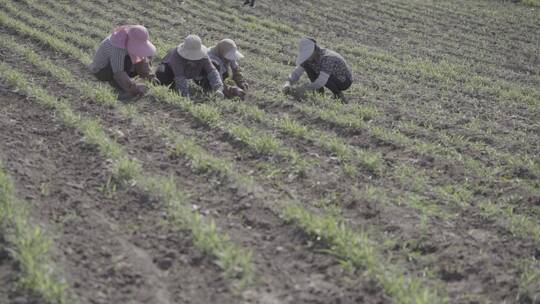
[288,268]
[257,228]
[112,247]
[141,257]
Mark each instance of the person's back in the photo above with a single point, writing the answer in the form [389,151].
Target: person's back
[332,63]
[324,67]
[118,59]
[189,60]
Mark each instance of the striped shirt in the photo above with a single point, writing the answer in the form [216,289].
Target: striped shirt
[108,54]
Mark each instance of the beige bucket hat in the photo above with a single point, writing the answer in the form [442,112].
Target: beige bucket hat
[306,47]
[229,49]
[192,48]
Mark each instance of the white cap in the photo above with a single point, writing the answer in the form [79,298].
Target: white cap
[306,47]
[192,48]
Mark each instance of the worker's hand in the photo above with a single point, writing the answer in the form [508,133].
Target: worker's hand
[140,89]
[287,88]
[220,94]
[244,86]
[240,93]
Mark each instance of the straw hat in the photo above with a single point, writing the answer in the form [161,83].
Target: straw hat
[228,48]
[192,48]
[306,47]
[135,39]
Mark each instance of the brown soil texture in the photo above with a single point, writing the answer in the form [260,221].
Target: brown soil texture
[112,249]
[119,246]
[288,266]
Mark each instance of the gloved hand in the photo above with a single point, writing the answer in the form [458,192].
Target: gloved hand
[220,94]
[287,88]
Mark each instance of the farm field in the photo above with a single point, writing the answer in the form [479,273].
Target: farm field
[423,188]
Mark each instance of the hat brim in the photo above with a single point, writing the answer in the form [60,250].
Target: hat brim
[234,55]
[142,50]
[192,54]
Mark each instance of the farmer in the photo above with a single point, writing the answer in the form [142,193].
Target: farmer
[324,67]
[224,55]
[189,60]
[122,55]
[250,2]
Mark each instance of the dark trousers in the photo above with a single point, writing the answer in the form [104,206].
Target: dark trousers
[250,2]
[106,74]
[333,84]
[165,75]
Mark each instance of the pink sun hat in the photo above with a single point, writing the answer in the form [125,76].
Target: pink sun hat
[133,38]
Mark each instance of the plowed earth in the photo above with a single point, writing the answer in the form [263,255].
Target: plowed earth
[117,244]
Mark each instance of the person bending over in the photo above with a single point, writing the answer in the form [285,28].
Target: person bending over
[225,55]
[324,67]
[189,60]
[123,55]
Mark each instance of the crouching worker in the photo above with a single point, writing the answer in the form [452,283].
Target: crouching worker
[189,60]
[122,55]
[324,67]
[225,55]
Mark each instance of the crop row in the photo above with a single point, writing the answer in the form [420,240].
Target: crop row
[172,96]
[398,47]
[233,260]
[445,73]
[29,244]
[410,287]
[392,18]
[432,115]
[432,71]
[363,19]
[452,191]
[414,201]
[514,160]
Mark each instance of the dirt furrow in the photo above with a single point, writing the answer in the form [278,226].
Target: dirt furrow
[112,243]
[288,268]
[264,223]
[440,249]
